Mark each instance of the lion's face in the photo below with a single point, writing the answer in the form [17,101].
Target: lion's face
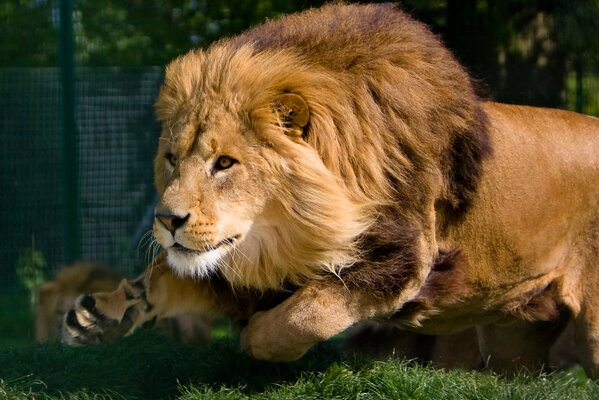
[214,181]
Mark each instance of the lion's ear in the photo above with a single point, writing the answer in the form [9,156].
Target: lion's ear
[293,112]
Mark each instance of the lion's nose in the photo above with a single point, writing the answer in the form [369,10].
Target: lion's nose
[172,222]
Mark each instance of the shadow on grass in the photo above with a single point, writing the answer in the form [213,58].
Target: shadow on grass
[149,366]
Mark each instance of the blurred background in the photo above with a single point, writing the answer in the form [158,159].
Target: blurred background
[78,80]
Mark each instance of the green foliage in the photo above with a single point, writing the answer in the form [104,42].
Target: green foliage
[577,22]
[28,33]
[589,102]
[523,50]
[30,268]
[152,33]
[131,33]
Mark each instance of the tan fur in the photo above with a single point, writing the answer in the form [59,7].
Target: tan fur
[323,190]
[57,296]
[337,163]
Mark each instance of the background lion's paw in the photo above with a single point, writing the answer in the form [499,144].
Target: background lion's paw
[85,324]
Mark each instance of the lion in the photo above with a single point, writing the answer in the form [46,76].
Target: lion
[336,166]
[58,295]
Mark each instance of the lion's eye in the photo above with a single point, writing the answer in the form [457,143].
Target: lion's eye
[224,162]
[171,158]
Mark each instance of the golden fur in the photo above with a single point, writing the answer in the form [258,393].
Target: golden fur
[334,166]
[58,295]
[307,213]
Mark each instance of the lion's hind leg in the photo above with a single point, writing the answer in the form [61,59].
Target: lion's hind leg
[519,346]
[583,292]
[586,324]
[587,339]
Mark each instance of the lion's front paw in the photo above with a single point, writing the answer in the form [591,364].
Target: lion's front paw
[85,324]
[267,338]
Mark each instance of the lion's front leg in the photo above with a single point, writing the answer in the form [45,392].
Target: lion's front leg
[313,314]
[156,294]
[105,317]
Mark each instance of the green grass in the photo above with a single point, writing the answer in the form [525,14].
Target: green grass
[148,366]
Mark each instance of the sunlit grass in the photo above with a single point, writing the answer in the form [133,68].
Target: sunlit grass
[149,366]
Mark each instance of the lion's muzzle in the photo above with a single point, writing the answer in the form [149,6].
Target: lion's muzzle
[172,222]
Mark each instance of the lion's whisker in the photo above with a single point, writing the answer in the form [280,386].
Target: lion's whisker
[238,250]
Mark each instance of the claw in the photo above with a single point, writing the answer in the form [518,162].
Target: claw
[89,303]
[74,333]
[106,317]
[73,322]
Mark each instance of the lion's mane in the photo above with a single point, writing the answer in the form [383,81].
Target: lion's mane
[394,119]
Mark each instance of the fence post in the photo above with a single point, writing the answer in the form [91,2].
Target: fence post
[70,135]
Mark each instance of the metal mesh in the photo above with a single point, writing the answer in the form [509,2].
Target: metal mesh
[117,137]
[31,164]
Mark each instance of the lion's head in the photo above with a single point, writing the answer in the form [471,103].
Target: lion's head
[240,186]
[277,156]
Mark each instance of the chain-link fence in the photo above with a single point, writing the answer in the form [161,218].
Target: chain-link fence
[114,193]
[77,86]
